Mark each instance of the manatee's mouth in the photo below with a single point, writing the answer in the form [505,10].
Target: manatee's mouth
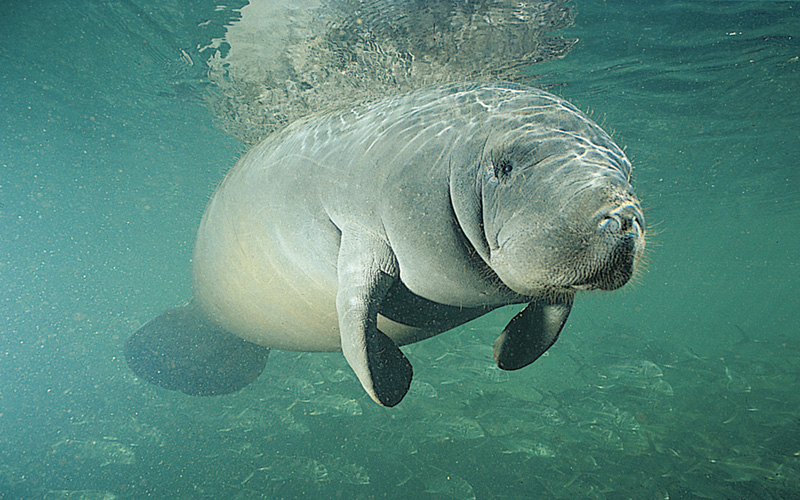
[621,233]
[618,268]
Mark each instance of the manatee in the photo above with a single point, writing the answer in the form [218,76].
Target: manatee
[374,227]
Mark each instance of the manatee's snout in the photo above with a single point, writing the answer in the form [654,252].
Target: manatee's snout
[622,233]
[623,222]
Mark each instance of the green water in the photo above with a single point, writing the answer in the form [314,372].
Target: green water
[683,385]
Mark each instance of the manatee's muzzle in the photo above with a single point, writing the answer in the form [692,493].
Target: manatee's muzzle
[622,231]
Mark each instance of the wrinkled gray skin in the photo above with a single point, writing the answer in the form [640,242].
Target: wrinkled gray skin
[392,222]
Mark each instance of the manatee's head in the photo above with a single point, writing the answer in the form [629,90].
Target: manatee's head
[558,212]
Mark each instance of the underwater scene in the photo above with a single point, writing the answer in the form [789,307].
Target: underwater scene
[119,118]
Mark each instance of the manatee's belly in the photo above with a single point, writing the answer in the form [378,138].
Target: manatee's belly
[256,282]
[275,284]
[266,306]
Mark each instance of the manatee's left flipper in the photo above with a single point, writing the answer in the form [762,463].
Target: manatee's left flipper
[531,332]
[367,269]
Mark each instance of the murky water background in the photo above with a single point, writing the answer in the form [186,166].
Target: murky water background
[682,386]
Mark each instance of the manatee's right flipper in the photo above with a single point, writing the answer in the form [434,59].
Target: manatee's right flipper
[181,351]
[531,332]
[367,269]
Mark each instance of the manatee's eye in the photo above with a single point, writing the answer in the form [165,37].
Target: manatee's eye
[502,168]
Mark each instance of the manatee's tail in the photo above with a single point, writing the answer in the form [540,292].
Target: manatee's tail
[182,351]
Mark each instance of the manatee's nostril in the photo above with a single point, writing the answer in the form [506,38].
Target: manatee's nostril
[610,224]
[616,224]
[638,225]
[627,218]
